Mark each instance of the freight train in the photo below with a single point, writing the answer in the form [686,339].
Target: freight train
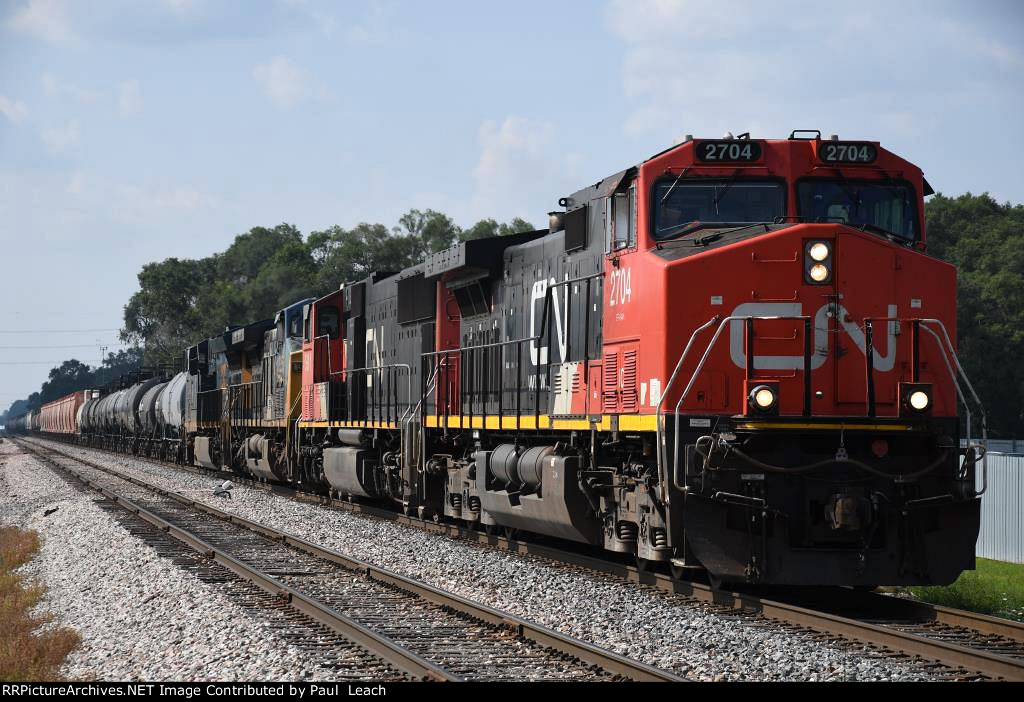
[735,358]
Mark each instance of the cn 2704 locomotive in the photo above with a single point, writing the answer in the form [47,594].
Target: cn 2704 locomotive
[734,357]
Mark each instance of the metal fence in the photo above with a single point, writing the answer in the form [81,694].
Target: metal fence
[1002,525]
[1015,446]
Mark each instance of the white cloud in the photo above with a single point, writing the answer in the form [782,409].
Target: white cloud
[76,183]
[58,89]
[379,27]
[129,97]
[136,205]
[181,7]
[13,110]
[701,67]
[520,172]
[43,19]
[60,139]
[283,81]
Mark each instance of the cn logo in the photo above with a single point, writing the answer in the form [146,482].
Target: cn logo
[737,349]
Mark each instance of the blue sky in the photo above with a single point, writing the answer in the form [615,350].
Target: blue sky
[131,131]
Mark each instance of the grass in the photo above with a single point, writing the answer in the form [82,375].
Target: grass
[27,654]
[995,588]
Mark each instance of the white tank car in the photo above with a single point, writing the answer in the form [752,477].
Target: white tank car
[147,408]
[170,406]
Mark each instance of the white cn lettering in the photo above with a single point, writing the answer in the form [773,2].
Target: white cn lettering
[374,341]
[560,311]
[737,336]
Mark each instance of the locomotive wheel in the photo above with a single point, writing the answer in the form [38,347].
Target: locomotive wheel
[643,565]
[511,533]
[489,529]
[678,572]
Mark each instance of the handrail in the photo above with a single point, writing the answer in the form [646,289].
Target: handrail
[948,352]
[445,354]
[704,359]
[481,346]
[663,479]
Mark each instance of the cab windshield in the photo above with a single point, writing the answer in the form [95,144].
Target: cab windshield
[886,206]
[678,203]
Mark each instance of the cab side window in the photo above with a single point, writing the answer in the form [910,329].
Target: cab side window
[621,220]
[327,322]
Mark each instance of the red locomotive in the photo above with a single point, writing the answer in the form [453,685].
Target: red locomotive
[734,357]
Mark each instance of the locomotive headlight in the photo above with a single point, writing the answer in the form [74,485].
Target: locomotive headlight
[819,251]
[763,397]
[919,400]
[817,262]
[818,273]
[915,398]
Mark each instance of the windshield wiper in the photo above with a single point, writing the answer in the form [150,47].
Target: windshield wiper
[722,228]
[719,195]
[891,236]
[681,229]
[852,193]
[674,184]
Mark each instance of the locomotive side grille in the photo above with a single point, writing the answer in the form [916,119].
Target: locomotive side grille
[629,394]
[610,382]
[307,401]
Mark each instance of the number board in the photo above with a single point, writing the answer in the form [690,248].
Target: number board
[729,151]
[847,152]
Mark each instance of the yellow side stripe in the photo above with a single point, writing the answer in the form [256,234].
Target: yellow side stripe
[361,424]
[626,422]
[836,426]
[638,422]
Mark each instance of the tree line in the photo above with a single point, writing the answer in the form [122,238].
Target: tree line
[182,300]
[73,375]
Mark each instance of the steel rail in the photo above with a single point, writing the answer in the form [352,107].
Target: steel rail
[406,661]
[974,660]
[581,650]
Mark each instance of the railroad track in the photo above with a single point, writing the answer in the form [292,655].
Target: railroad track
[970,645]
[406,628]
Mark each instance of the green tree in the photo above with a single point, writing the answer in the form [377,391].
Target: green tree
[985,240]
[490,227]
[250,252]
[288,275]
[73,375]
[347,255]
[120,363]
[65,379]
[429,231]
[164,314]
[181,301]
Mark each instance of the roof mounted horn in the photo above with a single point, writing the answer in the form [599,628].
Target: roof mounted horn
[817,132]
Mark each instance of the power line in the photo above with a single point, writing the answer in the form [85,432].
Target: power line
[66,346]
[55,331]
[43,363]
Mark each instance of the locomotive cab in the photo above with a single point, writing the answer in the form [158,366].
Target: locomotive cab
[809,426]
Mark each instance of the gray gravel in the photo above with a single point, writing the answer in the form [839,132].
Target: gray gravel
[139,617]
[655,627]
